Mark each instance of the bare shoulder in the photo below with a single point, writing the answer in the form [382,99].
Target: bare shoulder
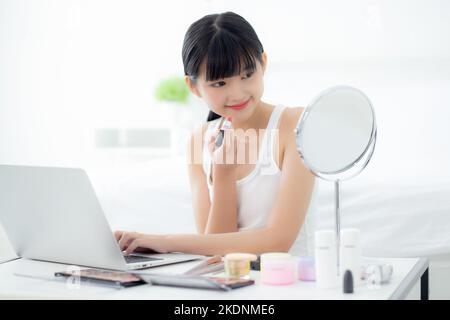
[288,121]
[289,118]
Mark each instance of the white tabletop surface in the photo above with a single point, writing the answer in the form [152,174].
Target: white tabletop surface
[407,272]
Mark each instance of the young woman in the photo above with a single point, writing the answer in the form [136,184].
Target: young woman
[247,206]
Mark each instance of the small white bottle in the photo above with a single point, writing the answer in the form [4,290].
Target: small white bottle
[350,254]
[325,256]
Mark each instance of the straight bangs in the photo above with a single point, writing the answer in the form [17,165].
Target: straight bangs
[227,57]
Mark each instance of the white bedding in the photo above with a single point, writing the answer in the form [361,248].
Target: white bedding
[398,219]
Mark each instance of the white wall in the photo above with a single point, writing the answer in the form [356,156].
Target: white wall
[68,67]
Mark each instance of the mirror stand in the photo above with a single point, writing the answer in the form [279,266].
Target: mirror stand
[337,190]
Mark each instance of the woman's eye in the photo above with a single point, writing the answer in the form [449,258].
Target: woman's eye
[248,75]
[218,84]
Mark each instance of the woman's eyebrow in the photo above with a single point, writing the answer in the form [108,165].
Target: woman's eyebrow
[220,79]
[246,69]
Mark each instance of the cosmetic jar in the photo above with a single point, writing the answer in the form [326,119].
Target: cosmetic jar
[278,271]
[274,255]
[306,269]
[237,265]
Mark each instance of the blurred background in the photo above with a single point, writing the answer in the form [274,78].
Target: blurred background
[77,78]
[81,81]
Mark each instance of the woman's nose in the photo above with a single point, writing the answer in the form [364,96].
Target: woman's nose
[235,94]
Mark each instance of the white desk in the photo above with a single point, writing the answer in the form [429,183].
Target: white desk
[409,274]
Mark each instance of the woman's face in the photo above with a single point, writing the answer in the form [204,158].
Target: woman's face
[235,96]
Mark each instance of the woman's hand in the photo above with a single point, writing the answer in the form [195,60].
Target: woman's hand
[138,242]
[224,157]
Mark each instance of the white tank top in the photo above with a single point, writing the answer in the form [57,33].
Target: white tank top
[257,192]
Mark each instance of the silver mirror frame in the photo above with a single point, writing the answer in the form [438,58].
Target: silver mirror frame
[341,174]
[347,171]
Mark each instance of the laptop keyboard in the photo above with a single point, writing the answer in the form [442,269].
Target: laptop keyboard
[137,259]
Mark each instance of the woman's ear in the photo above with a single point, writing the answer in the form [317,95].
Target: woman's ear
[191,86]
[264,61]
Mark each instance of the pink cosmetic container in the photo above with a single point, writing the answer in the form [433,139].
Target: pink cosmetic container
[278,271]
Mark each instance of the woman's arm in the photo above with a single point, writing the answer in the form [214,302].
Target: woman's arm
[197,179]
[252,241]
[221,215]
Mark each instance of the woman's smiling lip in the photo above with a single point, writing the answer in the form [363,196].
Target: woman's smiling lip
[240,106]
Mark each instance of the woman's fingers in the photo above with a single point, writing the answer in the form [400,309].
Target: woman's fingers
[123,240]
[229,139]
[212,139]
[133,246]
[118,234]
[218,152]
[126,238]
[211,144]
[149,242]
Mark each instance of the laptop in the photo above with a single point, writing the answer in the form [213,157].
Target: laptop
[53,214]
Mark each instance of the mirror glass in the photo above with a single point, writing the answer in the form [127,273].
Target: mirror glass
[337,131]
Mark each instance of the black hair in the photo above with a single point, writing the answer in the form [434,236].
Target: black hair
[224,41]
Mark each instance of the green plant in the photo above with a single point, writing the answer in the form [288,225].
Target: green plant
[172,89]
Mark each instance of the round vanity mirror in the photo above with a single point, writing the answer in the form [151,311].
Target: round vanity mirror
[336,133]
[336,137]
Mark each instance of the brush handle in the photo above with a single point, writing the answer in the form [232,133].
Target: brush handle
[226,124]
[219,138]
